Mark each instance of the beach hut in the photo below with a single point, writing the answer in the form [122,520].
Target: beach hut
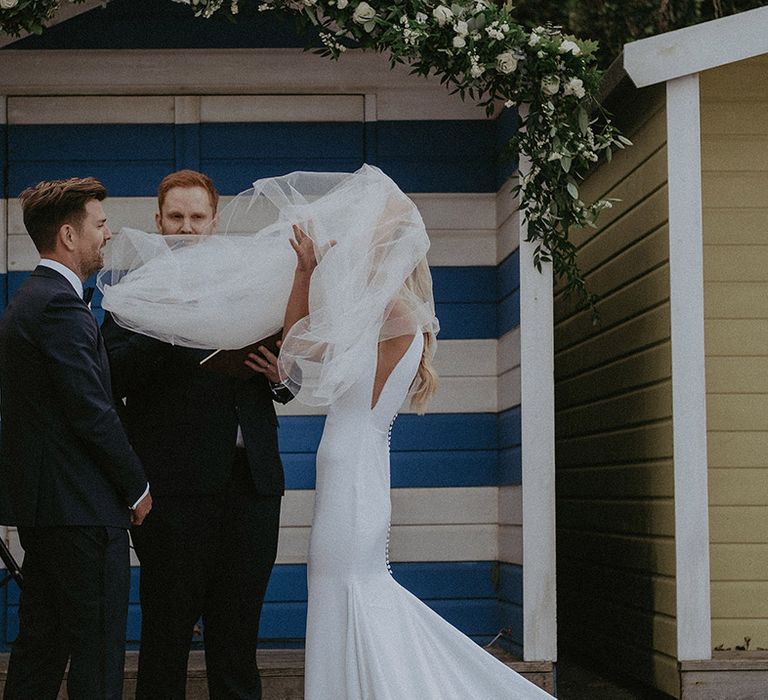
[132,90]
[662,407]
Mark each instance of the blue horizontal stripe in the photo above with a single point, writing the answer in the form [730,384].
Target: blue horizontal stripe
[477,597]
[510,428]
[457,140]
[510,467]
[508,313]
[122,179]
[466,321]
[281,140]
[436,431]
[421,156]
[415,469]
[464,284]
[86,143]
[508,274]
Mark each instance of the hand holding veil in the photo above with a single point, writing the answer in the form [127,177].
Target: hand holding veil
[228,290]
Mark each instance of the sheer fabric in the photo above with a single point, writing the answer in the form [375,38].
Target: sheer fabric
[229,289]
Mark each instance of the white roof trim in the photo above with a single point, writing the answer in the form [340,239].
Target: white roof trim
[66,11]
[698,48]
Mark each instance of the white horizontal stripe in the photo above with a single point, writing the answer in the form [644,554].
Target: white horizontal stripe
[509,389]
[454,395]
[410,543]
[415,506]
[509,351]
[91,110]
[459,247]
[508,218]
[510,505]
[466,358]
[186,109]
[444,211]
[245,71]
[282,108]
[420,103]
[461,226]
[511,544]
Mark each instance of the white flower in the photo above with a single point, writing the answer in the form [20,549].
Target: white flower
[569,46]
[506,62]
[442,14]
[476,70]
[341,4]
[404,19]
[555,156]
[461,28]
[535,39]
[309,3]
[504,27]
[575,86]
[363,13]
[550,84]
[421,18]
[8,4]
[459,42]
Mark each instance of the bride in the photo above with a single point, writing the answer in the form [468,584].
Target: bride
[359,335]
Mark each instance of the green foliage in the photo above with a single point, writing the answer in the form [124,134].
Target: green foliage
[613,23]
[18,16]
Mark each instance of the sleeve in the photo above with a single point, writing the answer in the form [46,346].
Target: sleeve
[134,359]
[70,340]
[280,393]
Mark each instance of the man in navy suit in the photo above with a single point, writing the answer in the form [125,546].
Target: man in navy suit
[71,482]
[209,445]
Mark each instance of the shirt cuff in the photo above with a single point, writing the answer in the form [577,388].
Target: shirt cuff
[141,498]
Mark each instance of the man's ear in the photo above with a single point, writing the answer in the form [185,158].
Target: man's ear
[65,237]
[159,222]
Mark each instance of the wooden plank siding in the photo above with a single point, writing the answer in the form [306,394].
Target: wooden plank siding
[615,509]
[735,220]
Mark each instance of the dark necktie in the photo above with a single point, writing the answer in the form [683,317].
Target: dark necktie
[88,294]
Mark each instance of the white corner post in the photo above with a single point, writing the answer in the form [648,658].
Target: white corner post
[689,409]
[537,400]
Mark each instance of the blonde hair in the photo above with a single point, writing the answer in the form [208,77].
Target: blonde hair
[426,381]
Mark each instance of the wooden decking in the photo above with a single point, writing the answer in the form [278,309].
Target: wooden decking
[282,673]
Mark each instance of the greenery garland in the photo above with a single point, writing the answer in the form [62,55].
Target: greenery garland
[17,16]
[477,48]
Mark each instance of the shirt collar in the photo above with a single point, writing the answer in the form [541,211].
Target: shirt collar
[71,277]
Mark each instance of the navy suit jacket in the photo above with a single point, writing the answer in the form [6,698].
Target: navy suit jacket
[65,459]
[182,419]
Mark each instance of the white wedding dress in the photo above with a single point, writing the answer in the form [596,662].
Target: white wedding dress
[368,638]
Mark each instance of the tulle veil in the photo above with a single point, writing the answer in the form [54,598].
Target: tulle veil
[228,289]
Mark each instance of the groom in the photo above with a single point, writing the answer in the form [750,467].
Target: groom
[209,445]
[69,480]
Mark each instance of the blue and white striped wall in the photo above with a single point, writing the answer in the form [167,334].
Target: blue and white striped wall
[457,536]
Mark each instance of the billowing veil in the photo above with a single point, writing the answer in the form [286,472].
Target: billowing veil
[230,289]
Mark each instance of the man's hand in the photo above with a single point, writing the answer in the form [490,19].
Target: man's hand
[141,510]
[264,362]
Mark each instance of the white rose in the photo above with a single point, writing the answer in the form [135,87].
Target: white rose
[442,14]
[535,39]
[461,28]
[569,46]
[8,4]
[341,4]
[476,71]
[363,13]
[459,42]
[506,62]
[575,86]
[550,84]
[421,18]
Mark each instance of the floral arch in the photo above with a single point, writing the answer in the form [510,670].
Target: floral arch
[479,51]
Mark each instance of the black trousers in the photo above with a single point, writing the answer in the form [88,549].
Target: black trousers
[74,606]
[209,556]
